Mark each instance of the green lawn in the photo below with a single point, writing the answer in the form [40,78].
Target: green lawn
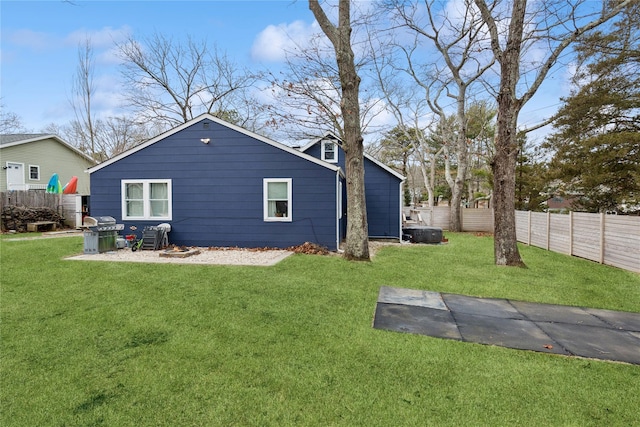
[125,344]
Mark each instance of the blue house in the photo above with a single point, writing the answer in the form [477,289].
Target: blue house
[217,184]
[383,187]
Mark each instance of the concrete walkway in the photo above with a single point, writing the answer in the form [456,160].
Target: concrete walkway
[571,331]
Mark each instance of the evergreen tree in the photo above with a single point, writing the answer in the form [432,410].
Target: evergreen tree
[531,178]
[597,143]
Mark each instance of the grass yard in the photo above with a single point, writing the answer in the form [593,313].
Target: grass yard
[124,344]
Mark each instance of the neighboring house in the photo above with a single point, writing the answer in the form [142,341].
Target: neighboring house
[29,160]
[217,184]
[561,204]
[383,187]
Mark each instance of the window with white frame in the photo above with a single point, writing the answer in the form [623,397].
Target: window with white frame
[277,199]
[146,199]
[330,151]
[34,173]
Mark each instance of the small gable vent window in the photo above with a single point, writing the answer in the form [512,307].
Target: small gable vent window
[329,151]
[277,199]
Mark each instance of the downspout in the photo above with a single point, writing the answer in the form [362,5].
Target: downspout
[400,212]
[338,209]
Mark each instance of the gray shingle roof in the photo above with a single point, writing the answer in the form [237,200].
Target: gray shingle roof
[16,137]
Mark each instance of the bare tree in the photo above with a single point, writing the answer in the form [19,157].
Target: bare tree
[514,30]
[170,83]
[403,99]
[113,135]
[427,155]
[118,134]
[462,62]
[357,245]
[83,90]
[10,122]
[307,93]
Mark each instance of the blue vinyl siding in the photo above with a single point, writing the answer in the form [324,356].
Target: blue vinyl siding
[218,190]
[382,191]
[383,201]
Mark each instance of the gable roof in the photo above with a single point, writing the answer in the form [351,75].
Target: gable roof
[220,122]
[11,140]
[331,135]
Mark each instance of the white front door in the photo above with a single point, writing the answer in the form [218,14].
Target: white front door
[15,176]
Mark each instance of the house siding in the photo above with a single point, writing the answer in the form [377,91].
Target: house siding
[52,157]
[217,190]
[382,192]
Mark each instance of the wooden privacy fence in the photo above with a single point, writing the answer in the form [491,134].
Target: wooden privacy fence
[64,204]
[30,199]
[608,239]
[479,220]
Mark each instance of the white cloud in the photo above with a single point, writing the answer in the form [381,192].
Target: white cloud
[31,39]
[102,38]
[273,43]
[109,56]
[109,92]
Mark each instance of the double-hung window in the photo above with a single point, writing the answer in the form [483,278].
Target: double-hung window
[329,151]
[146,199]
[34,173]
[277,199]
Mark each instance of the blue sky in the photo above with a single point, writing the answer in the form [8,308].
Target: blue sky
[39,43]
[39,47]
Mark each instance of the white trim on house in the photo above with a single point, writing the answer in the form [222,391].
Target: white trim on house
[15,186]
[37,167]
[220,122]
[286,217]
[146,200]
[334,150]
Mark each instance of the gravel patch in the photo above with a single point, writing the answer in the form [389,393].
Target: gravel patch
[205,256]
[212,256]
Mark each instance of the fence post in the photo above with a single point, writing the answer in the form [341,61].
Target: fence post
[548,228]
[602,217]
[529,228]
[571,233]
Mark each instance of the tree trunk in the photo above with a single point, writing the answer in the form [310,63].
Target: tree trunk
[455,218]
[509,106]
[357,244]
[504,162]
[428,179]
[504,216]
[357,247]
